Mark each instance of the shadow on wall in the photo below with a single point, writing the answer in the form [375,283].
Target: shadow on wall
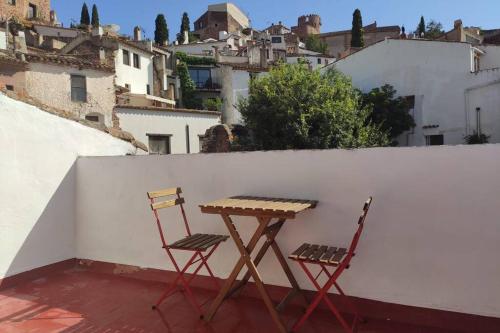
[51,239]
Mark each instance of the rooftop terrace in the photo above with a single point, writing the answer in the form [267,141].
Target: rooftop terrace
[80,251]
[79,299]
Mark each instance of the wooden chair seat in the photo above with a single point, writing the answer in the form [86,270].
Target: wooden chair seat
[319,254]
[198,242]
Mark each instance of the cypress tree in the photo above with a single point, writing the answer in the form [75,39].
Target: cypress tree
[161,31]
[185,26]
[95,16]
[85,17]
[357,39]
[421,27]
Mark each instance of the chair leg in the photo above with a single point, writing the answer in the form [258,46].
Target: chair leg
[349,302]
[180,277]
[321,295]
[185,283]
[205,263]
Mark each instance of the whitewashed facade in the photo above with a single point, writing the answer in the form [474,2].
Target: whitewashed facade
[136,75]
[450,82]
[177,131]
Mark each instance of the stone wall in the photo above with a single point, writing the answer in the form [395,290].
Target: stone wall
[100,89]
[210,23]
[20,9]
[340,42]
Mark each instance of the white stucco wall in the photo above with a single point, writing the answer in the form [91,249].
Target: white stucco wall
[313,60]
[491,56]
[3,40]
[431,238]
[143,122]
[37,177]
[200,48]
[235,86]
[137,78]
[51,85]
[438,72]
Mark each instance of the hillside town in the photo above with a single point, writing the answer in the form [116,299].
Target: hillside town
[182,94]
[249,166]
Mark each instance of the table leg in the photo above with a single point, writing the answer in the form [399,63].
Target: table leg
[239,265]
[253,271]
[295,285]
[260,255]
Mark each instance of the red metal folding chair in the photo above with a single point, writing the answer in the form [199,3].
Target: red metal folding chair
[199,244]
[330,256]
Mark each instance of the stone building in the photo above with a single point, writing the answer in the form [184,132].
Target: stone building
[81,88]
[339,42]
[459,33]
[307,25]
[220,17]
[37,10]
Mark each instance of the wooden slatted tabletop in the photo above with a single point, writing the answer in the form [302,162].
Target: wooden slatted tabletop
[258,206]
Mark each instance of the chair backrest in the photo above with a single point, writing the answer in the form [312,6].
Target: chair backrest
[156,205]
[359,231]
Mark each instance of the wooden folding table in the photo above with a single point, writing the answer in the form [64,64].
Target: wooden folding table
[265,210]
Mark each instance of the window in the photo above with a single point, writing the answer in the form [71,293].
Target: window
[32,12]
[126,57]
[137,61]
[267,53]
[411,101]
[202,77]
[9,87]
[477,63]
[276,40]
[95,117]
[201,139]
[159,144]
[127,86]
[11,2]
[434,140]
[188,146]
[92,118]
[319,61]
[78,88]
[148,89]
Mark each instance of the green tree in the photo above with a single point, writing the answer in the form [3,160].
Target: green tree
[420,32]
[313,43]
[185,26]
[357,39]
[389,112]
[85,17]
[95,16]
[434,30]
[295,108]
[476,138]
[161,31]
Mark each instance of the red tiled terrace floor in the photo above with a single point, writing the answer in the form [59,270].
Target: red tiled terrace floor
[75,300]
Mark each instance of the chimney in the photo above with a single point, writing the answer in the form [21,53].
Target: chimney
[137,34]
[53,17]
[263,55]
[186,37]
[102,55]
[216,54]
[457,24]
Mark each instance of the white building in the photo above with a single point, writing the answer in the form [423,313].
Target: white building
[314,59]
[452,84]
[134,68]
[167,131]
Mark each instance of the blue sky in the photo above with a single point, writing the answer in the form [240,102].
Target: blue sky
[336,14]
